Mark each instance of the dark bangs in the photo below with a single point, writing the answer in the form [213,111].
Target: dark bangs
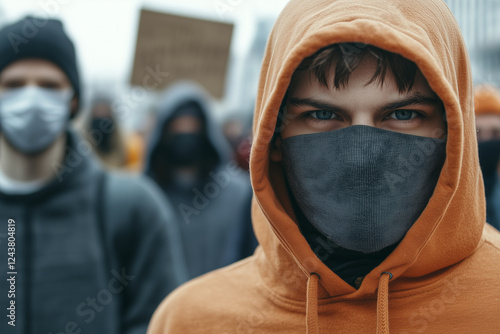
[346,57]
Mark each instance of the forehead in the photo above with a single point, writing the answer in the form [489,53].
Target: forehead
[488,120]
[185,123]
[102,109]
[33,69]
[358,90]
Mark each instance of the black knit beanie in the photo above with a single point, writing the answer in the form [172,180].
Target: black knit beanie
[39,38]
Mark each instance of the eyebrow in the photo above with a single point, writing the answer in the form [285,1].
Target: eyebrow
[415,98]
[316,104]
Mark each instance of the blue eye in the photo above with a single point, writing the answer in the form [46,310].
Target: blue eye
[322,114]
[403,115]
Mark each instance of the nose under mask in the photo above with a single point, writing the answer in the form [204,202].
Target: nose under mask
[31,118]
[186,149]
[362,187]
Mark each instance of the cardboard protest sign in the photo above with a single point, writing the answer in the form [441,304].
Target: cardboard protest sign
[171,48]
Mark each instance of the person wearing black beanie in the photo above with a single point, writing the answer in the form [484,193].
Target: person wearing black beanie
[38,38]
[88,250]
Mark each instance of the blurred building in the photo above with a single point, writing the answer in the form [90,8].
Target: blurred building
[2,16]
[480,24]
[245,69]
[253,61]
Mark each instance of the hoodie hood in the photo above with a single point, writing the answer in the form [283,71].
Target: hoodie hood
[174,97]
[450,228]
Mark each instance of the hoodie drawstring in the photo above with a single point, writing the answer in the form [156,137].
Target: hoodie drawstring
[312,304]
[383,303]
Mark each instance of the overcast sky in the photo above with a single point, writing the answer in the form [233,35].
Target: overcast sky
[105,31]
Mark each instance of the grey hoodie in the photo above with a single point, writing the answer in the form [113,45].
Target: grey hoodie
[213,213]
[94,251]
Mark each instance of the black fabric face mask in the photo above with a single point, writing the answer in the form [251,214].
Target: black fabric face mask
[186,149]
[104,128]
[489,156]
[362,187]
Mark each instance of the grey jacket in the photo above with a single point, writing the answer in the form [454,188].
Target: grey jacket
[213,214]
[94,251]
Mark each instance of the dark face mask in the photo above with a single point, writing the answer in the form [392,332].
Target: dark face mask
[185,149]
[102,129]
[362,187]
[489,155]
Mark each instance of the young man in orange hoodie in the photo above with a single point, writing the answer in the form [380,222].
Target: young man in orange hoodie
[368,198]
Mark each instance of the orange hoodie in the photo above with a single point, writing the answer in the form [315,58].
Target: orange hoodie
[444,275]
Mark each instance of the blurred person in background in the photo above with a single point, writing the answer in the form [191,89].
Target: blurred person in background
[94,251]
[239,137]
[487,107]
[191,161]
[116,148]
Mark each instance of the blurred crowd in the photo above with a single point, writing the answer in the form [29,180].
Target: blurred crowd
[106,221]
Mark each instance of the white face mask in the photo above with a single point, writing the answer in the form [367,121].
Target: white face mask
[31,118]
